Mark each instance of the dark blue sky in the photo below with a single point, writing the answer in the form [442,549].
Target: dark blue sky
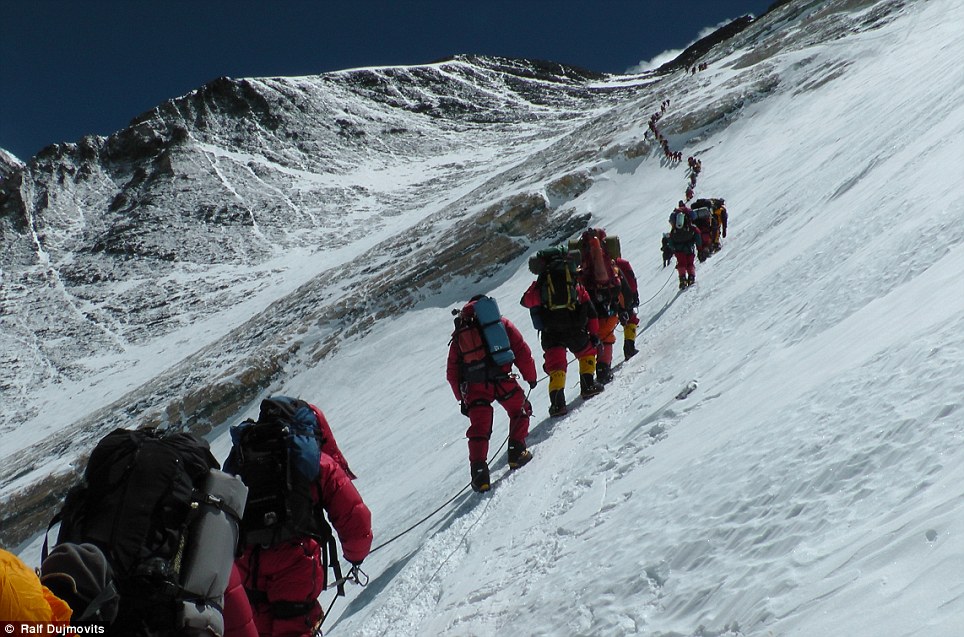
[75,67]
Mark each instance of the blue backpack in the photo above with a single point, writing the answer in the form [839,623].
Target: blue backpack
[482,340]
[493,330]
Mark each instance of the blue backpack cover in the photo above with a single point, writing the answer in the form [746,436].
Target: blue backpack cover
[493,331]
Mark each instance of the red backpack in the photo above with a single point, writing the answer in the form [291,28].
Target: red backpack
[597,263]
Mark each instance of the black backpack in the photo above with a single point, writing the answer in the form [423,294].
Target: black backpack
[556,268]
[683,238]
[278,458]
[147,498]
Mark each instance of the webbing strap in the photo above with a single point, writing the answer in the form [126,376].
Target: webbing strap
[332,550]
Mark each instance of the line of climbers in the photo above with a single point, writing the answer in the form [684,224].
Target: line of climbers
[695,230]
[582,292]
[695,234]
[675,156]
[695,167]
[158,540]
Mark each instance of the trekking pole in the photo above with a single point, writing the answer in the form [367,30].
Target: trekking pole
[316,630]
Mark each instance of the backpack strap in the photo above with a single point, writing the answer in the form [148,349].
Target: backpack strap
[218,503]
[325,537]
[255,596]
[44,551]
[92,612]
[331,549]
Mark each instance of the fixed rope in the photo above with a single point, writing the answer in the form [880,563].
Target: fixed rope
[671,277]
[447,502]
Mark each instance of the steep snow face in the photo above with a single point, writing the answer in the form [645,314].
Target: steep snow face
[810,485]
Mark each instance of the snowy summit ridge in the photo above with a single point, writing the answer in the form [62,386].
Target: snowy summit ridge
[308,236]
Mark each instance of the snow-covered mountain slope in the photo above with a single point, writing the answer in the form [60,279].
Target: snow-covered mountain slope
[220,187]
[810,485]
[233,219]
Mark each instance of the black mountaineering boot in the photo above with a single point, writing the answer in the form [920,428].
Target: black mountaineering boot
[629,349]
[589,386]
[480,477]
[557,403]
[682,283]
[604,372]
[518,454]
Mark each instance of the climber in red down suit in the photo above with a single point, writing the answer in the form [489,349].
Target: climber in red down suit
[476,388]
[285,579]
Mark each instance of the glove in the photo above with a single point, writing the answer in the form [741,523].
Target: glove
[594,339]
[533,383]
[623,316]
[464,408]
[724,234]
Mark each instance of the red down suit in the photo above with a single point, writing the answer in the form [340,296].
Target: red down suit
[238,619]
[478,396]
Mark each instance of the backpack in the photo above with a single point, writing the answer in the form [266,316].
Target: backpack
[703,218]
[556,268]
[158,507]
[278,458]
[703,203]
[612,245]
[683,238]
[482,340]
[597,259]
